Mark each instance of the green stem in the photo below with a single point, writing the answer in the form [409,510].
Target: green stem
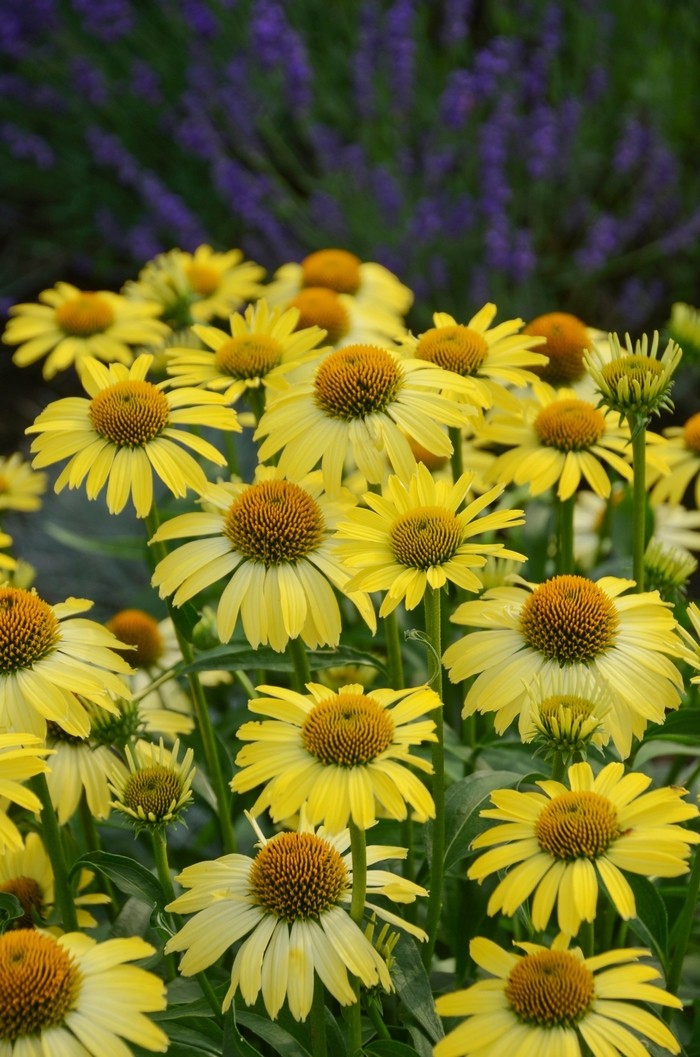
[375,1015]
[357,909]
[586,938]
[54,847]
[297,653]
[639,500]
[433,629]
[245,682]
[455,434]
[92,841]
[558,768]
[318,1020]
[566,535]
[234,465]
[684,927]
[256,399]
[206,729]
[393,651]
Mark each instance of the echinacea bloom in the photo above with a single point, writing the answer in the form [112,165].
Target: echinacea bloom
[48,654]
[127,430]
[361,400]
[345,320]
[157,785]
[72,324]
[7,562]
[203,284]
[667,570]
[415,536]
[682,453]
[567,709]
[20,759]
[72,996]
[489,358]
[342,753]
[262,347]
[684,327]
[634,380]
[20,486]
[290,900]
[371,285]
[555,439]
[27,874]
[691,651]
[552,1001]
[625,640]
[274,536]
[569,840]
[566,338]
[80,767]
[167,709]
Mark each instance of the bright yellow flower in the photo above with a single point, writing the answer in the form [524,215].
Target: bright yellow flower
[157,785]
[275,537]
[625,640]
[682,453]
[552,1000]
[490,359]
[27,874]
[262,347]
[7,562]
[413,537]
[72,324]
[569,840]
[371,285]
[202,284]
[48,655]
[567,709]
[566,338]
[20,759]
[126,431]
[342,752]
[80,766]
[633,380]
[290,899]
[684,327]
[556,437]
[73,997]
[20,486]
[361,400]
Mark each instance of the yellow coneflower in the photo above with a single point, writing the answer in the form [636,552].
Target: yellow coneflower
[157,786]
[414,537]
[20,486]
[296,927]
[20,759]
[81,765]
[72,324]
[568,840]
[361,400]
[551,1001]
[634,380]
[47,656]
[203,284]
[72,996]
[342,752]
[682,453]
[489,358]
[126,432]
[626,640]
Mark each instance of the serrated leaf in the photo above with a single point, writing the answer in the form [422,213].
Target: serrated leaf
[463,801]
[274,1035]
[128,875]
[10,910]
[651,922]
[413,987]
[240,655]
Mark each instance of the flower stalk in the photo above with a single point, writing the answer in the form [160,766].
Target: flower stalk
[358,847]
[433,633]
[637,426]
[566,535]
[54,847]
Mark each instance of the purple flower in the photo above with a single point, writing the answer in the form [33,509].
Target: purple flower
[426,222]
[523,259]
[602,241]
[455,19]
[278,46]
[145,83]
[326,213]
[89,82]
[22,22]
[683,235]
[401,47]
[631,146]
[458,99]
[543,142]
[364,61]
[107,19]
[387,194]
[27,146]
[199,18]
[497,243]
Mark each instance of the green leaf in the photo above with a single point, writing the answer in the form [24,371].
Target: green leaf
[274,1035]
[184,617]
[335,1039]
[190,1039]
[651,922]
[240,655]
[130,548]
[424,1047]
[651,749]
[128,875]
[463,801]
[683,723]
[10,910]
[234,1043]
[413,987]
[389,1048]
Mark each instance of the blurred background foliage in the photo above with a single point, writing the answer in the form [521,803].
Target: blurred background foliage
[540,154]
